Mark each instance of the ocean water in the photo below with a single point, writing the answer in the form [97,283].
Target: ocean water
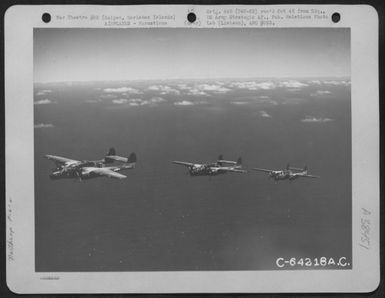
[160,218]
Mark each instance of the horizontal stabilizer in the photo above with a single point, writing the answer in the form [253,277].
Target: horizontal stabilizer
[183,163]
[236,170]
[295,169]
[111,158]
[222,161]
[299,169]
[262,170]
[310,176]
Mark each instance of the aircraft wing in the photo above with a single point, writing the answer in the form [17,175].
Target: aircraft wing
[227,169]
[186,164]
[233,170]
[60,159]
[262,170]
[296,169]
[107,172]
[308,176]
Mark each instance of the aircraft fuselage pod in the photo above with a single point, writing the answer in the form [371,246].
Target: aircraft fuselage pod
[85,169]
[287,174]
[280,175]
[213,169]
[205,170]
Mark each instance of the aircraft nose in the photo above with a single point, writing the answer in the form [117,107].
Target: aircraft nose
[53,176]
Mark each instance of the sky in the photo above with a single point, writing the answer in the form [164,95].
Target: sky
[77,54]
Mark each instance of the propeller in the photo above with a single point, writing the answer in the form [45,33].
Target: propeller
[190,168]
[78,173]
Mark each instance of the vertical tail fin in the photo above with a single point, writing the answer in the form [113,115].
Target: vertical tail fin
[288,167]
[239,161]
[131,158]
[220,157]
[111,151]
[305,168]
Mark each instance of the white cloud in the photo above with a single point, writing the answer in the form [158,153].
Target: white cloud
[197,92]
[203,89]
[183,87]
[252,85]
[320,93]
[120,101]
[43,102]
[135,102]
[268,85]
[164,89]
[239,102]
[292,84]
[311,119]
[107,96]
[216,88]
[43,125]
[315,82]
[43,92]
[184,103]
[273,102]
[129,90]
[337,83]
[264,114]
[190,103]
[263,99]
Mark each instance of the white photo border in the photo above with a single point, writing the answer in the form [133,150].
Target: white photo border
[20,232]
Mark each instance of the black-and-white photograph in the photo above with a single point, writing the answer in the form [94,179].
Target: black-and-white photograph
[181,149]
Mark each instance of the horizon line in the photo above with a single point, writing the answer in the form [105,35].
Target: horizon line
[194,79]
